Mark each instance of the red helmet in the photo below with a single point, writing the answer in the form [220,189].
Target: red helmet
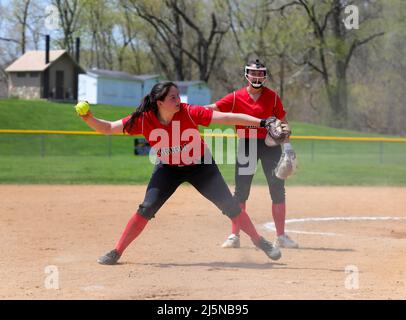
[255,73]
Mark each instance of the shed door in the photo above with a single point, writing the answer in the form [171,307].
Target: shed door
[59,85]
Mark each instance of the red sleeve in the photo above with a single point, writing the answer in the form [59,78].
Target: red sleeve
[278,110]
[225,104]
[200,115]
[136,128]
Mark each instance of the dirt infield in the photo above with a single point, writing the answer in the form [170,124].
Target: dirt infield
[52,236]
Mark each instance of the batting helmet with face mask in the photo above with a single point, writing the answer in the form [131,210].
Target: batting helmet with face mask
[255,73]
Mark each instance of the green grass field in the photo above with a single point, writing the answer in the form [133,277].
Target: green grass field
[70,159]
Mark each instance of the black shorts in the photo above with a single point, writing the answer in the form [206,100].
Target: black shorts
[206,178]
[246,166]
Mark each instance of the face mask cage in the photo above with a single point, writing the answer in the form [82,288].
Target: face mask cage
[255,81]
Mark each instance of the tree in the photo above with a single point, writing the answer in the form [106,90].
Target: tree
[199,44]
[69,11]
[21,15]
[35,24]
[169,32]
[334,45]
[19,18]
[378,74]
[206,47]
[128,35]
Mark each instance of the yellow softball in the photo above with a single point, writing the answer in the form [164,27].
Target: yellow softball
[82,108]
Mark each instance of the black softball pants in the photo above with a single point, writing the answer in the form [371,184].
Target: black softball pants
[246,167]
[206,178]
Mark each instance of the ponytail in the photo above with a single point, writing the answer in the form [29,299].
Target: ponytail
[149,103]
[145,106]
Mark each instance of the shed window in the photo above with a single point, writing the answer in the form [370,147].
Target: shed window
[21,74]
[34,74]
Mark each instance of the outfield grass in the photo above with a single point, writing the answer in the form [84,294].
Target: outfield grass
[45,115]
[65,159]
[128,169]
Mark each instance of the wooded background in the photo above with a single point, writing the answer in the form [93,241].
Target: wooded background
[324,72]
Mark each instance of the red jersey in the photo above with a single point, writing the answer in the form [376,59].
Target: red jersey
[179,142]
[267,105]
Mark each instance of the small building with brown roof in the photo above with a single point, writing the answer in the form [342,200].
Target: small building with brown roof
[38,74]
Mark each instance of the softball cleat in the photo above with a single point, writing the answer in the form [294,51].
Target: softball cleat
[272,252]
[284,241]
[233,241]
[109,258]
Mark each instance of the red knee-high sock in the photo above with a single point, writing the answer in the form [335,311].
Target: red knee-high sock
[245,223]
[131,231]
[235,227]
[279,214]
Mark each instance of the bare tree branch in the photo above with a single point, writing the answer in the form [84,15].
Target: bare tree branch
[358,43]
[171,34]
[233,29]
[9,40]
[316,68]
[283,7]
[203,59]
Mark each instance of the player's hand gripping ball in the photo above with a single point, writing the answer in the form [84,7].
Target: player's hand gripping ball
[82,108]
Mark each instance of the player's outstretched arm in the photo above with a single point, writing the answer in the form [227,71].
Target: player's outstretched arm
[212,106]
[235,119]
[99,125]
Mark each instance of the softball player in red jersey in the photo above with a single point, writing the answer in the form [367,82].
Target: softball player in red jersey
[258,101]
[171,127]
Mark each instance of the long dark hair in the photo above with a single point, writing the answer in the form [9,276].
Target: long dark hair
[158,93]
